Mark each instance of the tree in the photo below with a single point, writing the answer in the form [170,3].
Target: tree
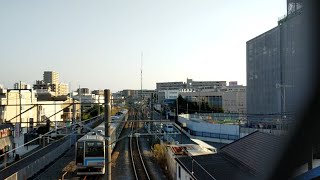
[185,106]
[92,112]
[159,153]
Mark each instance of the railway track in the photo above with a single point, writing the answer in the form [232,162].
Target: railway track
[139,168]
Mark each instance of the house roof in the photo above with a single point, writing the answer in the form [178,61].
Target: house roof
[256,150]
[214,166]
[245,158]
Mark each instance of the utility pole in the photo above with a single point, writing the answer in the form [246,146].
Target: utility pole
[177,108]
[55,116]
[20,105]
[74,116]
[141,86]
[73,112]
[187,108]
[16,107]
[199,103]
[107,118]
[151,104]
[98,104]
[80,111]
[38,114]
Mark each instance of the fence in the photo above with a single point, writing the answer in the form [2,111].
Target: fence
[213,135]
[40,163]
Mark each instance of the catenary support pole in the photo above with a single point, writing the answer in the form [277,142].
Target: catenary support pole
[107,118]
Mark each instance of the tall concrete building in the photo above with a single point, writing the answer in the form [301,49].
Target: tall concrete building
[277,68]
[50,84]
[51,77]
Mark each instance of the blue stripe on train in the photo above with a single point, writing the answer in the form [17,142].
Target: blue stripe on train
[311,174]
[86,161]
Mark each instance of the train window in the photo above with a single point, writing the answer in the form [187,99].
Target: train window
[79,153]
[94,149]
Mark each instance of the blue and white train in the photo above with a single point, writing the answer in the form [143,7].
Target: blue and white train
[90,151]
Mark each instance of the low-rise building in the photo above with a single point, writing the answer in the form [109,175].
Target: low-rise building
[21,85]
[98,92]
[87,100]
[251,157]
[13,102]
[213,98]
[63,89]
[35,109]
[51,110]
[184,150]
[234,99]
[231,99]
[133,96]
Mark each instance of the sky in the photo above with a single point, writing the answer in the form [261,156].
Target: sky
[98,43]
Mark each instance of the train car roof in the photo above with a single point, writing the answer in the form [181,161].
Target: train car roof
[100,127]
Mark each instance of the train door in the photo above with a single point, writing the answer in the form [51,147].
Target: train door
[80,154]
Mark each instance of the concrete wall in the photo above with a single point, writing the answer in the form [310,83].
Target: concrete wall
[184,175]
[203,126]
[234,102]
[13,109]
[48,108]
[172,163]
[38,164]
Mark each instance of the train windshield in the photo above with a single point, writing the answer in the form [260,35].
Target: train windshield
[94,149]
[80,153]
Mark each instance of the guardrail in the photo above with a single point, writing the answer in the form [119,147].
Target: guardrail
[39,160]
[40,163]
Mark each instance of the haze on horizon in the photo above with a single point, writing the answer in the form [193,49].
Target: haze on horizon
[98,44]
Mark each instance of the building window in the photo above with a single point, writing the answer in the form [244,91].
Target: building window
[179,172]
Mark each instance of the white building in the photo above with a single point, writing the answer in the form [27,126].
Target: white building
[11,105]
[171,90]
[88,100]
[168,94]
[48,109]
[13,102]
[174,151]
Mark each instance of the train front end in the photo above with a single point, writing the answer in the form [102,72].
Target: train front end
[90,157]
